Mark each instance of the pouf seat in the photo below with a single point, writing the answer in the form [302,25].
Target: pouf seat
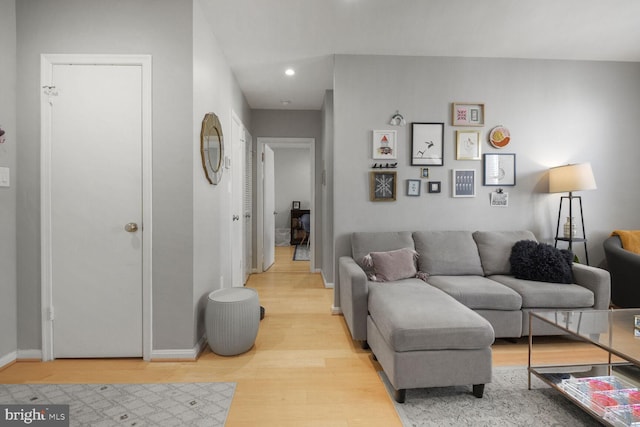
[232,318]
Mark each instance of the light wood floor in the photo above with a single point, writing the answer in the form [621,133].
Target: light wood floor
[304,369]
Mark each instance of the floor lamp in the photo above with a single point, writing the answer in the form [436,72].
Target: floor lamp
[570,178]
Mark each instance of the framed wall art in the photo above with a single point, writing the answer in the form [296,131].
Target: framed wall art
[468,145]
[463,182]
[427,144]
[295,205]
[467,114]
[499,169]
[413,187]
[434,186]
[424,172]
[384,144]
[382,186]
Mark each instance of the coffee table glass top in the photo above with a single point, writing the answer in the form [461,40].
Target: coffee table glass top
[612,330]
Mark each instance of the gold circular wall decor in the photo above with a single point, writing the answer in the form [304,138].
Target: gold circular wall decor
[499,136]
[212,148]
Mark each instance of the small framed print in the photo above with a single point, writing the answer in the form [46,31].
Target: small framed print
[295,205]
[424,172]
[463,182]
[413,187]
[500,199]
[382,186]
[427,144]
[434,186]
[467,145]
[500,169]
[467,114]
[384,144]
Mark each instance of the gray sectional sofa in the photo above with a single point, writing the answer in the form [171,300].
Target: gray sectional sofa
[437,330]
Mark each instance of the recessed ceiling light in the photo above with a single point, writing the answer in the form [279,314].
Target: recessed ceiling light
[285,102]
[290,71]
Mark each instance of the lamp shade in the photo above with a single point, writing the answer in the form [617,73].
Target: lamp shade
[569,178]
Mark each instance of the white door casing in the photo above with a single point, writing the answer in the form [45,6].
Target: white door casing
[265,213]
[269,227]
[96,178]
[237,201]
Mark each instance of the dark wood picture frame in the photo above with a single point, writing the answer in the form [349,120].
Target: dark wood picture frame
[382,186]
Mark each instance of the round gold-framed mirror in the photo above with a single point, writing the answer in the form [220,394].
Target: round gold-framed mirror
[212,148]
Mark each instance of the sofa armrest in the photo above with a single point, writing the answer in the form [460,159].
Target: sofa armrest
[353,296]
[597,281]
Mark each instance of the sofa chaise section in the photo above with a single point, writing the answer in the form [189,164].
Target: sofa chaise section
[353,275]
[422,337]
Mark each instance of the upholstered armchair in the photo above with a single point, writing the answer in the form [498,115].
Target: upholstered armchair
[624,267]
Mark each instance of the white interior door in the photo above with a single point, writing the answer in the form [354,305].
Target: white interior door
[269,213]
[95,191]
[237,197]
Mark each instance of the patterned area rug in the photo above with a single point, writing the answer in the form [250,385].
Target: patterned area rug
[301,253]
[506,402]
[175,404]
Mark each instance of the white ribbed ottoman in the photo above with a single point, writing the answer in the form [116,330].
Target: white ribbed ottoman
[231,320]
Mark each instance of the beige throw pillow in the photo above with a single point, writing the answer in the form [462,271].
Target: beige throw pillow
[392,265]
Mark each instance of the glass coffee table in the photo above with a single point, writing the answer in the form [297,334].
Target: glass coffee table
[606,386]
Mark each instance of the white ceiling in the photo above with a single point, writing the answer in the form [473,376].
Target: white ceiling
[261,38]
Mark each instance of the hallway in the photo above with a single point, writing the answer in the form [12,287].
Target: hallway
[302,371]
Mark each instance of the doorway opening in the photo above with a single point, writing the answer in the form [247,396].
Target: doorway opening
[286,174]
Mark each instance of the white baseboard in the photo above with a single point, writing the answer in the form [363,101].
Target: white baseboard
[8,359]
[336,310]
[180,354]
[328,285]
[30,354]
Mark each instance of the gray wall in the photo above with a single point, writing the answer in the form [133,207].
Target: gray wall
[8,283]
[558,112]
[163,29]
[214,90]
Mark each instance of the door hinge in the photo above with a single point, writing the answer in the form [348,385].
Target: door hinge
[263,156]
[51,314]
[50,90]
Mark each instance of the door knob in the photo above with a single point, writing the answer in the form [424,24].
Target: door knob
[132,227]
[236,217]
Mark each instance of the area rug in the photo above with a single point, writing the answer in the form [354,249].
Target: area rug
[506,402]
[174,404]
[301,253]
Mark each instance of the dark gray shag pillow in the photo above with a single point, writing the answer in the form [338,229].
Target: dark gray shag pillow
[541,262]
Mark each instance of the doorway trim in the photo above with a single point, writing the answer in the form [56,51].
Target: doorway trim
[47,61]
[310,144]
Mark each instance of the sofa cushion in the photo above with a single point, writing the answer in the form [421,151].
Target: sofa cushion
[538,261]
[548,295]
[414,316]
[447,253]
[392,265]
[364,242]
[494,248]
[478,292]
